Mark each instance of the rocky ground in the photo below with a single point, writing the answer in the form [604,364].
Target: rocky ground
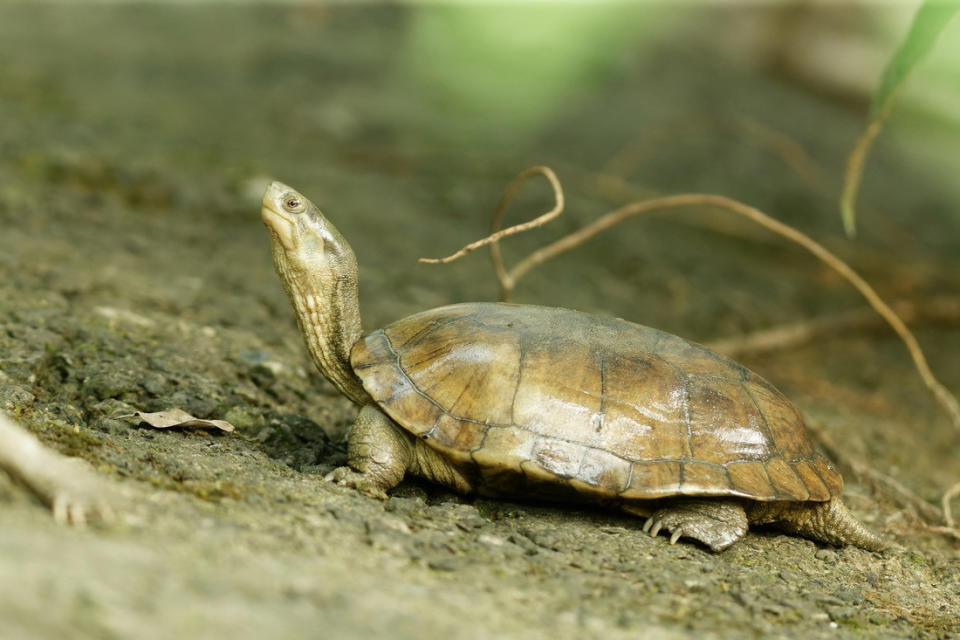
[135,275]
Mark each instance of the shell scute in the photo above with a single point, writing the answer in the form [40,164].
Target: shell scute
[811,479]
[749,478]
[644,414]
[782,420]
[785,480]
[704,478]
[725,424]
[505,447]
[558,457]
[546,402]
[603,472]
[465,377]
[458,435]
[653,480]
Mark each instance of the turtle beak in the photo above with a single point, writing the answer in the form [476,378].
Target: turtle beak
[277,220]
[271,199]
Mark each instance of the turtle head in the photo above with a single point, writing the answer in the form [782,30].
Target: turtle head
[300,232]
[319,272]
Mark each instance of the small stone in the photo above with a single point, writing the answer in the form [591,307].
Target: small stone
[826,598]
[491,540]
[850,596]
[444,564]
[243,419]
[470,522]
[409,506]
[827,555]
[156,384]
[524,543]
[840,614]
[385,524]
[695,585]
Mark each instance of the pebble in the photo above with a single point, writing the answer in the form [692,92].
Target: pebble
[827,555]
[444,564]
[825,598]
[850,596]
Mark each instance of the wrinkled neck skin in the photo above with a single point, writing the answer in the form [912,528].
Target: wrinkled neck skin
[327,307]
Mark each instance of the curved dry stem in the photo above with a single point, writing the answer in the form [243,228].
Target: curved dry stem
[938,309]
[942,394]
[766,138]
[854,171]
[790,152]
[496,234]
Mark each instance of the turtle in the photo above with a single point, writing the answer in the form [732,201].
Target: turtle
[519,401]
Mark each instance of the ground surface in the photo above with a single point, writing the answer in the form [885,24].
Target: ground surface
[135,275]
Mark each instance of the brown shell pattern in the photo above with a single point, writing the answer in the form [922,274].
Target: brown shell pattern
[531,396]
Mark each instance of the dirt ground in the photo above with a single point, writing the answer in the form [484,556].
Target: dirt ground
[135,275]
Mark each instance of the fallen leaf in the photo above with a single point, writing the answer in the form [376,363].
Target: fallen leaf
[177,418]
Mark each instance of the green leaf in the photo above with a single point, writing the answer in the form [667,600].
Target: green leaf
[930,20]
[928,23]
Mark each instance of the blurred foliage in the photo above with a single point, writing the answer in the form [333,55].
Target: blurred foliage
[498,73]
[930,20]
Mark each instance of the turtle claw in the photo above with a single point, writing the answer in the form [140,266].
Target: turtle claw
[655,530]
[347,477]
[715,524]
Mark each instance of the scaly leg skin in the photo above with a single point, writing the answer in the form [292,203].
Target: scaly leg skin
[379,453]
[715,523]
[66,485]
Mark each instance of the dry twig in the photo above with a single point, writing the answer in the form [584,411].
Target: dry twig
[942,308]
[950,494]
[496,233]
[508,279]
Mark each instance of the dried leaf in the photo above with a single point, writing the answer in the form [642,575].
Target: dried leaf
[177,418]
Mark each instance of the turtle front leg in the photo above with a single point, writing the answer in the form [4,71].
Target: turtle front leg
[378,452]
[715,523]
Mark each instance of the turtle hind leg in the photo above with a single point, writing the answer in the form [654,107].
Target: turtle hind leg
[715,523]
[829,522]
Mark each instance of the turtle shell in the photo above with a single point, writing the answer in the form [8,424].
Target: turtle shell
[521,395]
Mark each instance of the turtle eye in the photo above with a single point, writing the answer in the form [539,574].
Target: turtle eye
[293,203]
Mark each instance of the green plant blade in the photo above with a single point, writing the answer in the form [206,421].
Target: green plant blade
[928,23]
